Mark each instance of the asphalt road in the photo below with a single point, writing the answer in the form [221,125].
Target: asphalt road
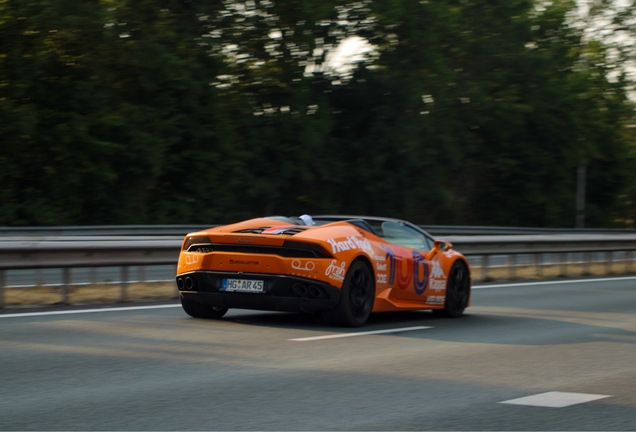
[158,369]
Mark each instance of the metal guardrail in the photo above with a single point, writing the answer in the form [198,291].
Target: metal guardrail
[102,230]
[538,245]
[124,251]
[70,252]
[73,252]
[533,244]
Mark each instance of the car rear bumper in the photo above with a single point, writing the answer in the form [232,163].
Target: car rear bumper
[281,293]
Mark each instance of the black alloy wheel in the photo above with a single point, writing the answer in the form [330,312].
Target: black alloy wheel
[199,310]
[356,300]
[457,291]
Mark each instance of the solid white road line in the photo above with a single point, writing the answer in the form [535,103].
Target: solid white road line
[343,335]
[518,284]
[555,399]
[83,311]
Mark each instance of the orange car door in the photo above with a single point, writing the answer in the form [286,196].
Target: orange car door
[409,272]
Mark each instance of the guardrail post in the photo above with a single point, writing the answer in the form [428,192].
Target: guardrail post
[512,262]
[564,264]
[92,275]
[537,263]
[124,284]
[66,284]
[142,274]
[2,285]
[586,256]
[484,267]
[608,264]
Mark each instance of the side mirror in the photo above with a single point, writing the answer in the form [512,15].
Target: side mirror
[438,246]
[442,246]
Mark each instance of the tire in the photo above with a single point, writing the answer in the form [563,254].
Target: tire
[356,299]
[200,310]
[457,291]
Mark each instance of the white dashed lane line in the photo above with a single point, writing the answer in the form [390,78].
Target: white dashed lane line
[555,399]
[343,335]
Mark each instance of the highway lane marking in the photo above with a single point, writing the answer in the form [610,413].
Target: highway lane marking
[343,335]
[554,282]
[83,311]
[555,399]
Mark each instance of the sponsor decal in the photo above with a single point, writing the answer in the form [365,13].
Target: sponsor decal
[406,268]
[352,242]
[380,267]
[244,241]
[438,278]
[390,255]
[419,284]
[379,258]
[437,271]
[307,266]
[450,253]
[436,300]
[232,261]
[335,271]
[438,285]
[382,278]
[191,259]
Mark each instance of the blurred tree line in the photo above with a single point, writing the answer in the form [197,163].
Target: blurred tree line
[458,112]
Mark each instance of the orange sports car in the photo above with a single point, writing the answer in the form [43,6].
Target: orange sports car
[344,267]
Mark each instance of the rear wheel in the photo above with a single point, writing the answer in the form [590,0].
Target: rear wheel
[200,310]
[457,291]
[356,298]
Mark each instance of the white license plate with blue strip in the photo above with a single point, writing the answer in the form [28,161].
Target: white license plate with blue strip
[243,285]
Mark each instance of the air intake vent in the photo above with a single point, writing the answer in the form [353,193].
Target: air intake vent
[273,230]
[258,230]
[288,231]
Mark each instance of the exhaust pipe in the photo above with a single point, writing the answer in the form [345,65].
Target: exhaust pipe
[300,290]
[189,283]
[180,284]
[315,292]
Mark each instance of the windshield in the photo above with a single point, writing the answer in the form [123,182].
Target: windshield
[403,235]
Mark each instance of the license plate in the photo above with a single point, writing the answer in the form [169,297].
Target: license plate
[243,285]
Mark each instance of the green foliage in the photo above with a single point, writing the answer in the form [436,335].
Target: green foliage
[465,111]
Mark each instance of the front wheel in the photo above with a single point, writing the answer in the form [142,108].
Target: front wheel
[200,310]
[457,291]
[356,298]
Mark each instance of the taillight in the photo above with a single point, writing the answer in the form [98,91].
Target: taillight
[189,241]
[317,250]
